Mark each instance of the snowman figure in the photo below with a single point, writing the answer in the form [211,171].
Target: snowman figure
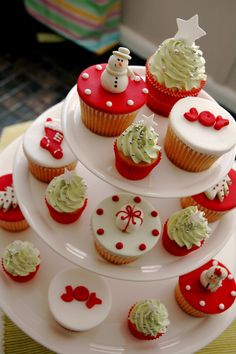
[115,77]
[212,278]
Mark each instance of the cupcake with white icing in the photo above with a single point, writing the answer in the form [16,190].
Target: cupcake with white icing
[66,197]
[185,231]
[148,319]
[137,151]
[125,227]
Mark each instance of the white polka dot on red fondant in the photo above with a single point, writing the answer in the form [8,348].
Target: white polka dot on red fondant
[188,287]
[230,277]
[145,90]
[109,104]
[221,306]
[202,303]
[233,293]
[98,67]
[130,102]
[87,92]
[85,76]
[214,263]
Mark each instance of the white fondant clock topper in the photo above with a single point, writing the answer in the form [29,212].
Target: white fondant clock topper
[189,30]
[115,77]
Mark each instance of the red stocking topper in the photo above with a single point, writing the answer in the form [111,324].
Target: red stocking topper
[53,138]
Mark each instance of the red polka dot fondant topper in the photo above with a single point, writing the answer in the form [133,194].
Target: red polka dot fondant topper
[82,294]
[206,118]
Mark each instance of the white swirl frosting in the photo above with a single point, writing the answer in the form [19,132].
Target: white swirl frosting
[188,227]
[178,65]
[150,317]
[139,142]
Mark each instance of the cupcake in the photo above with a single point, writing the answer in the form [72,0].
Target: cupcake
[45,148]
[199,133]
[176,69]
[110,95]
[21,261]
[208,290]
[136,150]
[125,227]
[79,300]
[217,200]
[11,217]
[185,231]
[66,197]
[148,319]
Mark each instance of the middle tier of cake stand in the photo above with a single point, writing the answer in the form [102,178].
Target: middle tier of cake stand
[75,241]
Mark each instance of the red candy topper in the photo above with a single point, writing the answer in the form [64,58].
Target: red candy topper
[206,118]
[53,138]
[81,293]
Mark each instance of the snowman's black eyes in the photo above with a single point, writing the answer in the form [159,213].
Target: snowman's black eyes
[122,60]
[118,59]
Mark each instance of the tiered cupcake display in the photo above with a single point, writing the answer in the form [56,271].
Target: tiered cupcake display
[126,236]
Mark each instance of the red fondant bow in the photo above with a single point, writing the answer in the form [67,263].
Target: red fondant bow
[130,214]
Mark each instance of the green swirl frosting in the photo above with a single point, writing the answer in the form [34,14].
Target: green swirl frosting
[178,65]
[150,317]
[139,142]
[188,227]
[67,192]
[20,258]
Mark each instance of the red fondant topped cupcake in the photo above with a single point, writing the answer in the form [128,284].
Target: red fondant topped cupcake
[208,290]
[110,94]
[217,200]
[11,217]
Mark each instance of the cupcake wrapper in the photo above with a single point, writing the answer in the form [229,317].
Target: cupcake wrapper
[119,260]
[133,171]
[138,334]
[14,226]
[183,156]
[66,218]
[161,99]
[185,306]
[46,174]
[21,279]
[172,247]
[211,215]
[103,123]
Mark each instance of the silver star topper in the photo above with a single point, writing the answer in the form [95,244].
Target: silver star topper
[189,30]
[69,175]
[148,121]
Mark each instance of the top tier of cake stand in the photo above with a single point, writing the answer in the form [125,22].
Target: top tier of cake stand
[165,181]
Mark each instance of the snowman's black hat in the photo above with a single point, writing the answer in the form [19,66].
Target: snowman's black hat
[122,52]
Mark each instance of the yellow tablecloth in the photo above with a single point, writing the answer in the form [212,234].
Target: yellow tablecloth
[17,342]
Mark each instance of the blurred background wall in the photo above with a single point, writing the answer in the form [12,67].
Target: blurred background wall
[145,24]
